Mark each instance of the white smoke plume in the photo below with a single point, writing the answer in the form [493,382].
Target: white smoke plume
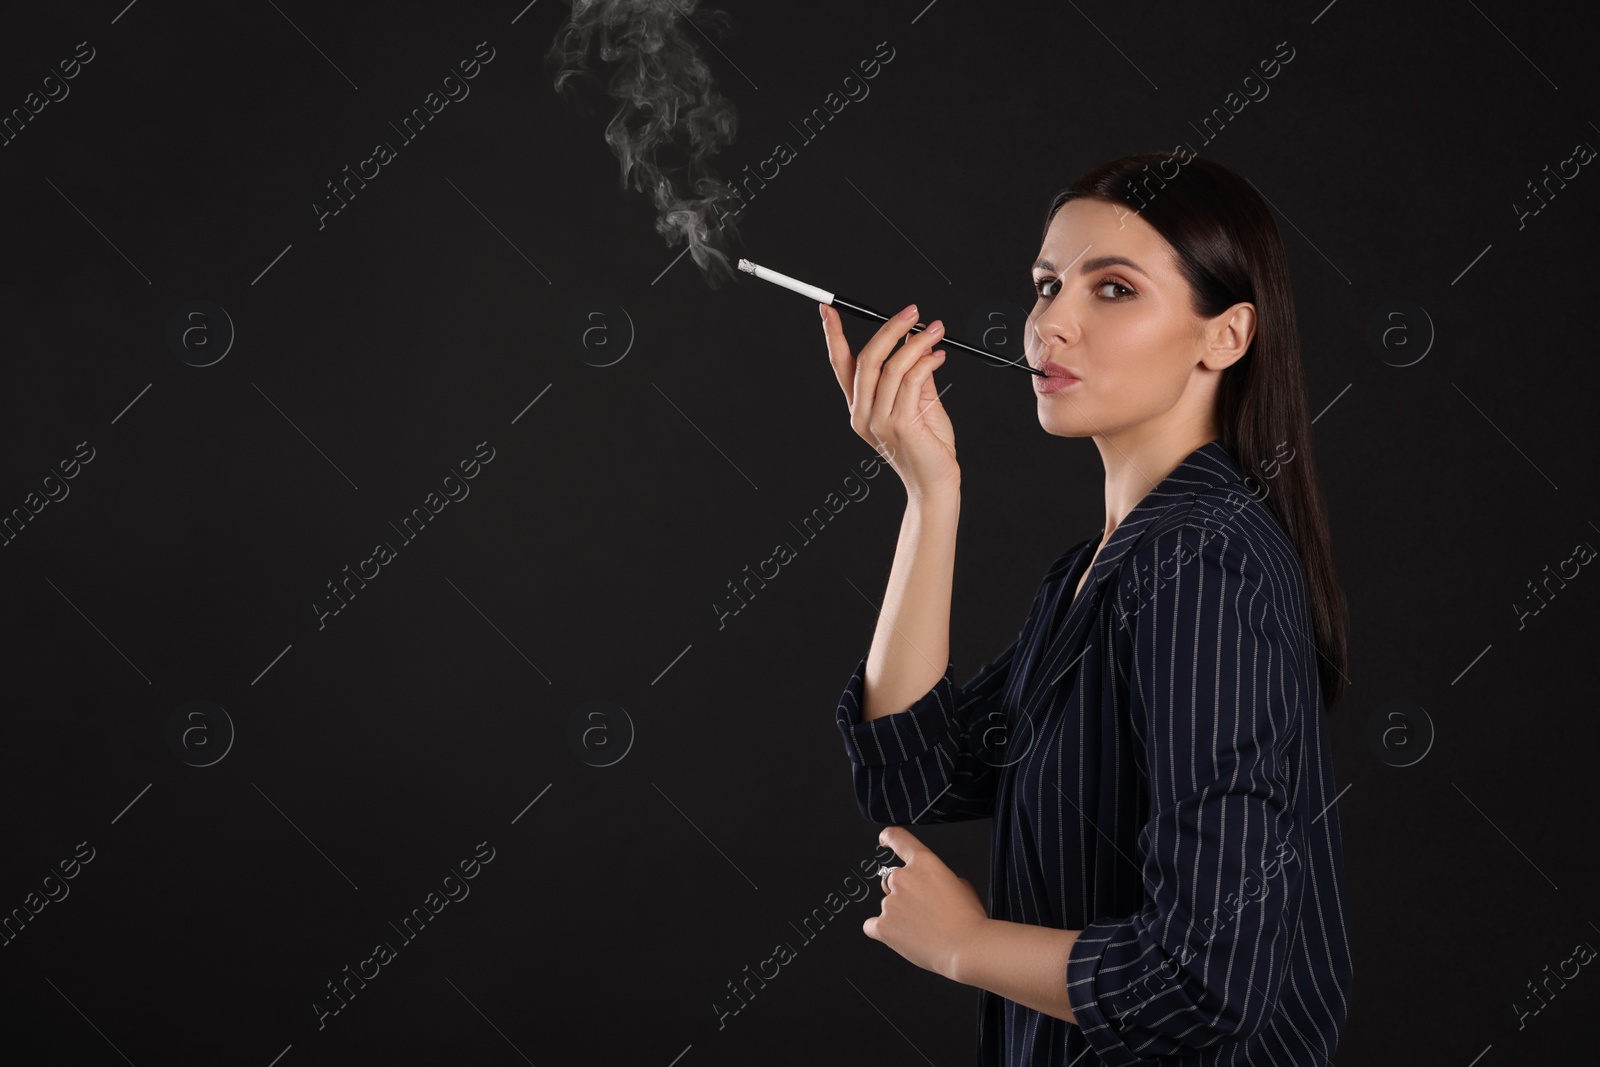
[669,108]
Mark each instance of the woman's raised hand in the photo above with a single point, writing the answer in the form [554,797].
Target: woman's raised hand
[894,405]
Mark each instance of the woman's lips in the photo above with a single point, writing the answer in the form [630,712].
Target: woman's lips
[1059,378]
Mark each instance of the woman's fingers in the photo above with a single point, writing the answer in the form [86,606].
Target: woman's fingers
[894,405]
[915,395]
[844,364]
[869,366]
[894,370]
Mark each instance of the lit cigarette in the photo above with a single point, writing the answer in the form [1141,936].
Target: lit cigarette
[834,300]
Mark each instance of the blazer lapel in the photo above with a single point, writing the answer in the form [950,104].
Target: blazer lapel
[1208,466]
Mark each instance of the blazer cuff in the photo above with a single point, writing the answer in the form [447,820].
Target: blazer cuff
[891,739]
[1090,956]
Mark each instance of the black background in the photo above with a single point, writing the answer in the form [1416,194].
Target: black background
[373,354]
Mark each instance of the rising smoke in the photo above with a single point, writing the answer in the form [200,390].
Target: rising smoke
[668,107]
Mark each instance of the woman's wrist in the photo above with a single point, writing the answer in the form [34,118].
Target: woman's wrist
[935,499]
[965,959]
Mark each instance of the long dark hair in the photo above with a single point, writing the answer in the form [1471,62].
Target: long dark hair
[1229,250]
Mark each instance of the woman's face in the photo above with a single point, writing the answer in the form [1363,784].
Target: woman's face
[1126,330]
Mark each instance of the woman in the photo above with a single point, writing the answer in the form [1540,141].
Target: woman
[1166,881]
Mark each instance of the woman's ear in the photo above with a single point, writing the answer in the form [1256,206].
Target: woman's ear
[1228,336]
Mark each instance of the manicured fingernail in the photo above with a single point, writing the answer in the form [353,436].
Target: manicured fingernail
[822,309]
[910,312]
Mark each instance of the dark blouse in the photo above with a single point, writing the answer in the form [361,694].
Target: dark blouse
[1156,763]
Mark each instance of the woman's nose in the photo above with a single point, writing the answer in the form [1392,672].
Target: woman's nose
[1051,327]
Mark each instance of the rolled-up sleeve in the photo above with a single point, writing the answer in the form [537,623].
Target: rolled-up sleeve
[926,764]
[1217,688]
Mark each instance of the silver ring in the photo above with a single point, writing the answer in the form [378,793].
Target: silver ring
[883,870]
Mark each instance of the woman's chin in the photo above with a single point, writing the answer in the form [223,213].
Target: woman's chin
[1053,422]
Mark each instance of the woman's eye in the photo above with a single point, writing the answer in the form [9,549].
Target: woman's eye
[1050,287]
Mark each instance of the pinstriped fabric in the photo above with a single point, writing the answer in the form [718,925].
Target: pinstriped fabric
[1154,756]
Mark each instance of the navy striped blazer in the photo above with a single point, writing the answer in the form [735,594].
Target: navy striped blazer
[1154,756]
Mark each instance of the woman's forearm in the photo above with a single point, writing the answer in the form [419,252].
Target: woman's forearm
[1027,964]
[911,645]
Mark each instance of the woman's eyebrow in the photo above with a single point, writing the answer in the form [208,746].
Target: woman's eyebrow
[1091,265]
